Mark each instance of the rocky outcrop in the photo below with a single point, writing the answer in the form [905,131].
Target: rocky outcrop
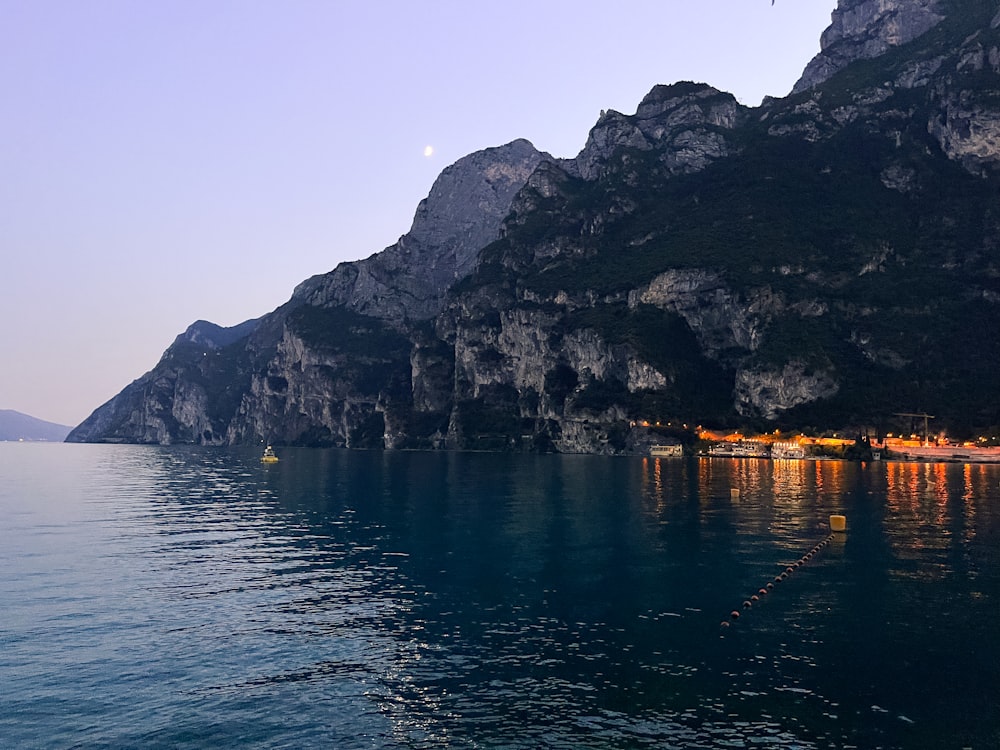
[722,320]
[306,396]
[865,29]
[208,335]
[163,409]
[685,123]
[957,82]
[184,399]
[769,392]
[460,216]
[966,123]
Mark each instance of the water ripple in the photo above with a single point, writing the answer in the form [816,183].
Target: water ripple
[191,598]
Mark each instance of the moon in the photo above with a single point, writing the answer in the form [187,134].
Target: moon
[428,151]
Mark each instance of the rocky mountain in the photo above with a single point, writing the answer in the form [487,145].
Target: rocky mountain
[828,259]
[461,215]
[864,29]
[17,426]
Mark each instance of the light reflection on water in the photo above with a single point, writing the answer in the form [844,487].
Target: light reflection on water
[193,597]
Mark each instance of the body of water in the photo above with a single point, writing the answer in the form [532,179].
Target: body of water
[193,597]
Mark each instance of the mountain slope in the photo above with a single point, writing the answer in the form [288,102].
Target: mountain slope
[228,385]
[828,259]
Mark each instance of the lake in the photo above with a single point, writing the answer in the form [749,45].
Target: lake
[183,597]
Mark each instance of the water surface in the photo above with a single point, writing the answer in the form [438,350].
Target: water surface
[180,597]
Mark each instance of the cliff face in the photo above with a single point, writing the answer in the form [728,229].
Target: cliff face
[865,29]
[460,216]
[685,124]
[827,259]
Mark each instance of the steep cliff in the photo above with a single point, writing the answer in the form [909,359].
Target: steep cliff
[460,216]
[825,259]
[263,380]
[865,29]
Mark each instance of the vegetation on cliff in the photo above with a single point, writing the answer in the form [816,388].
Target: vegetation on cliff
[829,259]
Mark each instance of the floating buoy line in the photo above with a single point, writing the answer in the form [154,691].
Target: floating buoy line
[837,523]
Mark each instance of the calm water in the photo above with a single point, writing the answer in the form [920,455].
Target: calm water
[193,598]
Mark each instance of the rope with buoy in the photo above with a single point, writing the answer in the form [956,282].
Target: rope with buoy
[837,523]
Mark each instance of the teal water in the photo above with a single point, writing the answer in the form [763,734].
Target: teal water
[192,598]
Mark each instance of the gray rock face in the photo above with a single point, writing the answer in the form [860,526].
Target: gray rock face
[721,320]
[966,130]
[300,396]
[460,216]
[508,362]
[158,408]
[769,392]
[170,403]
[864,29]
[968,133]
[686,122]
[965,119]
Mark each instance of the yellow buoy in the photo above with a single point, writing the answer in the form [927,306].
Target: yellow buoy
[838,523]
[734,493]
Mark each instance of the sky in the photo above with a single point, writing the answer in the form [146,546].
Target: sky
[166,161]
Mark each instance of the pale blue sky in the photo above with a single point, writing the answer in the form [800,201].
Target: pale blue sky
[170,160]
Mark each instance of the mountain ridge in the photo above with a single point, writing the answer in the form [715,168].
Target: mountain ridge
[793,263]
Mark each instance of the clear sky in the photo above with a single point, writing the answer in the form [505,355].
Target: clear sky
[165,161]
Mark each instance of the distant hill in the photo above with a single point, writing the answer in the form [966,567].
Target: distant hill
[17,426]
